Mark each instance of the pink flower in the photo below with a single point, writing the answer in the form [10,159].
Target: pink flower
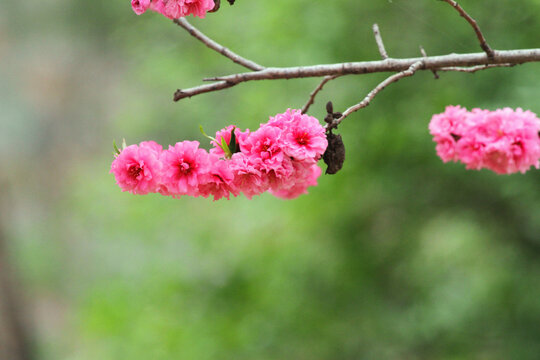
[511,140]
[471,152]
[158,6]
[226,134]
[198,7]
[453,120]
[137,169]
[446,148]
[264,149]
[305,139]
[218,180]
[279,157]
[152,145]
[184,166]
[447,128]
[504,141]
[304,177]
[281,178]
[282,121]
[247,179]
[140,6]
[175,9]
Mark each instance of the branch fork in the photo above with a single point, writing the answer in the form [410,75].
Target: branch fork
[401,68]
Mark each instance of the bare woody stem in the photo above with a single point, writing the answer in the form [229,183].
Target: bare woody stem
[402,68]
[319,87]
[483,43]
[474,69]
[388,65]
[181,94]
[500,58]
[216,46]
[379,41]
[424,54]
[367,100]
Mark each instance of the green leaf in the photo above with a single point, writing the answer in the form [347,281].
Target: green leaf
[225,148]
[124,145]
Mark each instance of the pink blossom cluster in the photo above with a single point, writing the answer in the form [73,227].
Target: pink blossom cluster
[174,9]
[280,157]
[505,140]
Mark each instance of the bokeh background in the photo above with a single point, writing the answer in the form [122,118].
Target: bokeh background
[398,256]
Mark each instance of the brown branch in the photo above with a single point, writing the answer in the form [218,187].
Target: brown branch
[424,54]
[319,87]
[367,100]
[473,69]
[217,47]
[379,41]
[483,43]
[366,67]
[182,94]
[388,65]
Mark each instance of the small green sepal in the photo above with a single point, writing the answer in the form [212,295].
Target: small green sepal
[233,144]
[225,148]
[206,136]
[116,150]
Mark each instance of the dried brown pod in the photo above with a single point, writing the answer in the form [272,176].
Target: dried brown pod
[334,156]
[329,118]
[217,3]
[329,107]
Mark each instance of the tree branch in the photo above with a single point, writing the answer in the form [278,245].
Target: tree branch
[483,43]
[513,57]
[367,100]
[474,69]
[193,31]
[424,54]
[379,41]
[182,94]
[319,87]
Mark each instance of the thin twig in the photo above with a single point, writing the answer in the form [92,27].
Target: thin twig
[319,87]
[379,41]
[367,100]
[473,69]
[366,67]
[424,54]
[217,47]
[483,43]
[187,93]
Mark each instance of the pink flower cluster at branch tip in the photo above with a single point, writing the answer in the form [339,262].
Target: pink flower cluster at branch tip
[505,140]
[174,9]
[280,157]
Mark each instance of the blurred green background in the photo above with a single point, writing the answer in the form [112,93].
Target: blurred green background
[398,256]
